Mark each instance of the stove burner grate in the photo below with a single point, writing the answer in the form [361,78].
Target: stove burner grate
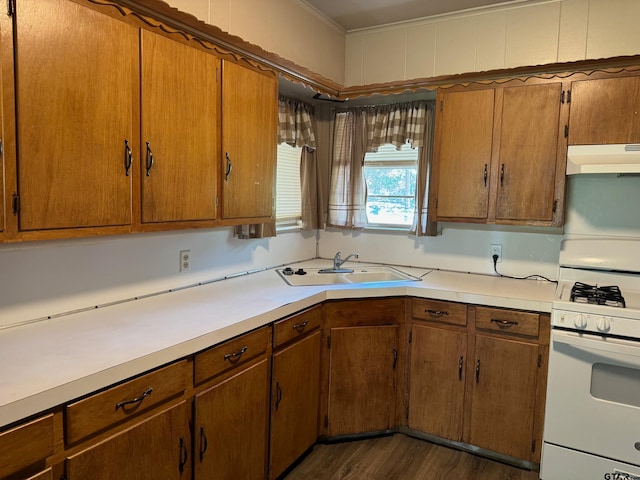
[609,296]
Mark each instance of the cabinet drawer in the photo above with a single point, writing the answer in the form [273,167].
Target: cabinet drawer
[507,321]
[26,445]
[438,311]
[119,403]
[296,326]
[231,354]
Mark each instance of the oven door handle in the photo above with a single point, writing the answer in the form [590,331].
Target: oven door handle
[592,342]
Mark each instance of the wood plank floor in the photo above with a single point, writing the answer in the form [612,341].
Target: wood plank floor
[399,457]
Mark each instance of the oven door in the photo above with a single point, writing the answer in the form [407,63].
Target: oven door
[593,396]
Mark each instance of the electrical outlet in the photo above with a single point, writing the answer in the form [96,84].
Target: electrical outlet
[496,249]
[185,260]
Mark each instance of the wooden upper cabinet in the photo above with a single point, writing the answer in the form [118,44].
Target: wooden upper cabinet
[180,152]
[76,87]
[605,111]
[528,153]
[463,153]
[249,138]
[500,155]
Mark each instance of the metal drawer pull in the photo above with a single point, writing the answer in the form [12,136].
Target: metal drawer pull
[436,313]
[229,167]
[128,158]
[149,161]
[236,355]
[478,371]
[184,455]
[300,326]
[139,399]
[460,364]
[485,174]
[278,395]
[505,323]
[204,443]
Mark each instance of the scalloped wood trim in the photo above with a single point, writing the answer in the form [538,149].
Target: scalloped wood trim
[159,14]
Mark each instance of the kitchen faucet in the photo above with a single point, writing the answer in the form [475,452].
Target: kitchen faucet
[338,262]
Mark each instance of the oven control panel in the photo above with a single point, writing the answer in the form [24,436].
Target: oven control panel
[596,323]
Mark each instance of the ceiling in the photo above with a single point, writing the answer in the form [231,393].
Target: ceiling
[354,14]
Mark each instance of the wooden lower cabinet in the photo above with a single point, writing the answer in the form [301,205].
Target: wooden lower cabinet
[503,395]
[158,447]
[482,384]
[231,426]
[362,379]
[295,401]
[25,447]
[437,378]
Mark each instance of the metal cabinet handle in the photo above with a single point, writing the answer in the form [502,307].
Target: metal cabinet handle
[138,399]
[128,158]
[460,365]
[478,371]
[299,327]
[436,313]
[504,323]
[149,161]
[229,167]
[502,175]
[204,443]
[278,395]
[184,455]
[237,354]
[485,174]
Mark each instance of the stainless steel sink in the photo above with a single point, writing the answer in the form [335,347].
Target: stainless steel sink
[316,276]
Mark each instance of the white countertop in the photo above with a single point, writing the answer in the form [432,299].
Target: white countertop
[50,362]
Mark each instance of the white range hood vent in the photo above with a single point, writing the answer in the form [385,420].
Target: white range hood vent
[618,158]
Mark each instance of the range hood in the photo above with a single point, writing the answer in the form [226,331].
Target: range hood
[618,158]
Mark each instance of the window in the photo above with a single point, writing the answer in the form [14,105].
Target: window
[288,197]
[391,186]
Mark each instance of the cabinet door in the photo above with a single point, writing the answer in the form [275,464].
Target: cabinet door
[503,396]
[75,89]
[605,111]
[180,123]
[231,427]
[295,400]
[158,447]
[436,381]
[528,152]
[362,379]
[464,126]
[249,137]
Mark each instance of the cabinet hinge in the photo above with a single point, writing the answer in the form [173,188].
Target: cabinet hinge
[410,336]
[540,361]
[436,205]
[566,131]
[1,148]
[555,206]
[568,96]
[562,96]
[326,421]
[441,105]
[329,342]
[407,413]
[16,203]
[11,7]
[216,201]
[533,445]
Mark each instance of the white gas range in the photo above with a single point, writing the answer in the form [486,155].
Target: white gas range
[592,418]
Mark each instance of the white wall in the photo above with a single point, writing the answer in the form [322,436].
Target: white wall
[530,32]
[290,28]
[600,205]
[40,279]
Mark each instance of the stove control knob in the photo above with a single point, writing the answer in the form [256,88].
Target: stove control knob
[580,321]
[603,324]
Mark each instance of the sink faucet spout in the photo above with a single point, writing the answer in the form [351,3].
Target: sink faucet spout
[338,261]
